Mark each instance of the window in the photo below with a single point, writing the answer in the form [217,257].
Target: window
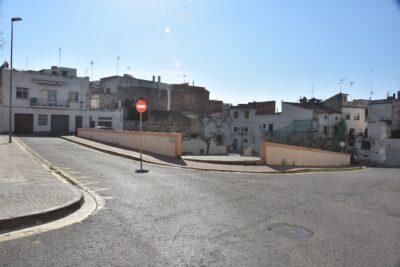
[105,121]
[42,119]
[108,90]
[357,116]
[52,98]
[246,129]
[365,145]
[336,118]
[235,114]
[270,127]
[64,73]
[73,96]
[22,93]
[92,123]
[347,116]
[264,126]
[326,117]
[246,114]
[219,139]
[235,129]
[335,131]
[325,130]
[245,141]
[193,135]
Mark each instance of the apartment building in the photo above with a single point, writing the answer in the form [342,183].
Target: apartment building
[50,101]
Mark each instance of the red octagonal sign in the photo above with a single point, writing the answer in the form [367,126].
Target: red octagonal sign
[141,106]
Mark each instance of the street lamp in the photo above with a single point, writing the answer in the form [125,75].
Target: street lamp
[11,73]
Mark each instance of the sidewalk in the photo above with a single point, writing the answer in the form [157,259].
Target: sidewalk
[30,194]
[185,163]
[168,161]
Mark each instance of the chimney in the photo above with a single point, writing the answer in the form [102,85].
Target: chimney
[154,78]
[159,79]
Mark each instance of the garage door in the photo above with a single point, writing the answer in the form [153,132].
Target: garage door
[59,125]
[23,123]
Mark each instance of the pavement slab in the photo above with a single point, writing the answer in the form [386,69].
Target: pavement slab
[27,189]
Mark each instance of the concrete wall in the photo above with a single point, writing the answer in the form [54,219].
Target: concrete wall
[392,152]
[278,154]
[196,146]
[166,144]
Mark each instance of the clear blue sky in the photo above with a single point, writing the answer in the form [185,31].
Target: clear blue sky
[239,50]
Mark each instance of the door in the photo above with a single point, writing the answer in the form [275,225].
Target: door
[59,125]
[78,123]
[23,123]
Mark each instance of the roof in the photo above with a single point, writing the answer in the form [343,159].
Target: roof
[316,107]
[252,105]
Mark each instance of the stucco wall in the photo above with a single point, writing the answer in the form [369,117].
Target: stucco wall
[278,154]
[166,144]
[195,146]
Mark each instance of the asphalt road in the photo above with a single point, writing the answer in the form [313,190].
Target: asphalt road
[172,216]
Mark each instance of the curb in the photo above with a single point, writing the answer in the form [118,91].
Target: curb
[295,171]
[44,216]
[30,220]
[242,163]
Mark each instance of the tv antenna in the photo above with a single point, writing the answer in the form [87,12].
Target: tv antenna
[342,80]
[312,90]
[91,66]
[118,58]
[59,57]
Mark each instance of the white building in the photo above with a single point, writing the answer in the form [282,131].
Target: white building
[50,101]
[306,117]
[381,146]
[243,131]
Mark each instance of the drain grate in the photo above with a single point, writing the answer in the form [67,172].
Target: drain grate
[290,230]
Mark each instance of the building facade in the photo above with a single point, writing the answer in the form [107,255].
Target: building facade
[50,101]
[381,144]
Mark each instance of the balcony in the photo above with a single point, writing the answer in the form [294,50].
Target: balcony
[59,103]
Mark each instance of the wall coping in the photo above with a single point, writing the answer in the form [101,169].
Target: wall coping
[161,134]
[306,149]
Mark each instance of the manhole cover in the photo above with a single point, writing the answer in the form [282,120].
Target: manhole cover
[290,230]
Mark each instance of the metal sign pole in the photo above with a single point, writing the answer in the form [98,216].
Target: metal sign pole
[140,140]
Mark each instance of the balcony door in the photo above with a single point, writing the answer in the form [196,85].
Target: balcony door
[52,98]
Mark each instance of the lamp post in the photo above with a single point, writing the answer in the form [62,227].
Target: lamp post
[11,74]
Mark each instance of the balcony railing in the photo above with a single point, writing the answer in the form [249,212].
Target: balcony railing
[38,102]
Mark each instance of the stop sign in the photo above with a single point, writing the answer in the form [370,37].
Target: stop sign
[141,106]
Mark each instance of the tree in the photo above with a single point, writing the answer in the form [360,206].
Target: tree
[342,130]
[204,135]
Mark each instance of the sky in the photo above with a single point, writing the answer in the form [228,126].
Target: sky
[241,51]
